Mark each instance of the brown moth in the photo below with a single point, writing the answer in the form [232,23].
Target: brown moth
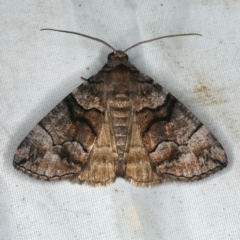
[120,123]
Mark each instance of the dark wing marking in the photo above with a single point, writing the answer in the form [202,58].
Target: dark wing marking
[59,146]
[179,145]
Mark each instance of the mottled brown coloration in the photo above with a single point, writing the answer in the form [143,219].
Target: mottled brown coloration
[120,123]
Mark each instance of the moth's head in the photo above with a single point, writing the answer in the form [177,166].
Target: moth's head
[117,54]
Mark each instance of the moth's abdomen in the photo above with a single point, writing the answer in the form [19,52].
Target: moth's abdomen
[120,108]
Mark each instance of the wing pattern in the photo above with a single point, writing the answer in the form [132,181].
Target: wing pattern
[120,123]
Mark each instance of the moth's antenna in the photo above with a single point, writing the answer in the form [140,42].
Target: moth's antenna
[168,36]
[105,43]
[80,34]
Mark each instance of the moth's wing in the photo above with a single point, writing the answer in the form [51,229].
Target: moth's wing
[138,167]
[179,145]
[59,146]
[100,169]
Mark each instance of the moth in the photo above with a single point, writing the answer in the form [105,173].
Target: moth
[120,123]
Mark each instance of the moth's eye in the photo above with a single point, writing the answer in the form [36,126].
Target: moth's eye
[111,55]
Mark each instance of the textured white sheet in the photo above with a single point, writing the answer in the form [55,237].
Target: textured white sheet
[38,69]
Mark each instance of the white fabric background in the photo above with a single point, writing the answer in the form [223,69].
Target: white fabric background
[38,69]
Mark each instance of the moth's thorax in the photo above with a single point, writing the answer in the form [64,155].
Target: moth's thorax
[120,79]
